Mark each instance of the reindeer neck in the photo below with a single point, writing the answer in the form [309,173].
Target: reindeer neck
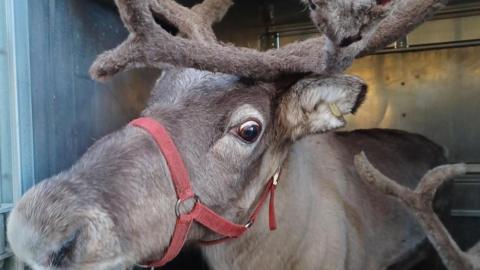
[296,214]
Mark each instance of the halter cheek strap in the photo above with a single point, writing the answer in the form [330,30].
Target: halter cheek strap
[200,213]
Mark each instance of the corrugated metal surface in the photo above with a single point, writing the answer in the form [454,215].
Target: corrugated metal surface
[70,111]
[5,115]
[435,93]
[6,167]
[15,114]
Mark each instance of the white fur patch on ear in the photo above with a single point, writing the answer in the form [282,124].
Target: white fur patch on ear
[318,104]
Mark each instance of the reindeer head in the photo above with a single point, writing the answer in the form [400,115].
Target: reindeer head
[115,205]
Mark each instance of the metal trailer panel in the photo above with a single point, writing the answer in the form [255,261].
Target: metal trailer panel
[70,111]
[435,93]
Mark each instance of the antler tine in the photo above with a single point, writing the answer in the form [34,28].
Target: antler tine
[149,45]
[195,23]
[405,16]
[358,27]
[212,11]
[136,16]
[420,202]
[139,21]
[214,57]
[433,179]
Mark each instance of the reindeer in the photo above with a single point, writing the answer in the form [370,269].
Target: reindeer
[225,128]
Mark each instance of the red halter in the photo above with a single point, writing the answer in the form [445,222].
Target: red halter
[200,213]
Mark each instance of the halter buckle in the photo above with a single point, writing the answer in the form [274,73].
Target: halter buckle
[180,201]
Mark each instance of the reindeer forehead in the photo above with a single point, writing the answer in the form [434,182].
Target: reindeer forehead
[175,85]
[177,89]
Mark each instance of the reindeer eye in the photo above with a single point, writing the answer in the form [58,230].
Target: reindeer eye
[249,131]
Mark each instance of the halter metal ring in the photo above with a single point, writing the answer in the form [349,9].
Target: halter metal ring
[249,224]
[180,201]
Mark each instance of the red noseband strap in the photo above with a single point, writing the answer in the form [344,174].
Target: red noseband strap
[200,213]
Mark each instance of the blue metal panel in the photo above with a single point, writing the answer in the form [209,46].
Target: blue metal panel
[5,123]
[23,97]
[70,111]
[15,113]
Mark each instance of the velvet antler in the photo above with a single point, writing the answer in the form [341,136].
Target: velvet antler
[420,202]
[358,27]
[196,23]
[404,17]
[350,28]
[149,45]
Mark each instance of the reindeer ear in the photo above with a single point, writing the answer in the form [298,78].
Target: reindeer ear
[317,104]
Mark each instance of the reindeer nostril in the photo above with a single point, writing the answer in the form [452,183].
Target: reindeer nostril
[58,257]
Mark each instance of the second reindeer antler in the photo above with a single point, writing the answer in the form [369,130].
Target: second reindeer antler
[420,202]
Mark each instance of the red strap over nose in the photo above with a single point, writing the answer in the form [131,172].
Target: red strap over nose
[200,213]
[178,172]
